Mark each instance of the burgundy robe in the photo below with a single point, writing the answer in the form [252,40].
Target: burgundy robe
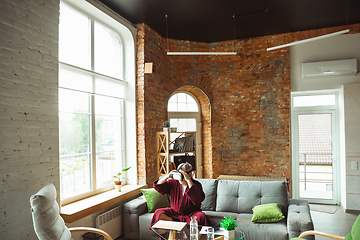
[182,206]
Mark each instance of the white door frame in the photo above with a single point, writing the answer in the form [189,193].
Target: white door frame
[333,110]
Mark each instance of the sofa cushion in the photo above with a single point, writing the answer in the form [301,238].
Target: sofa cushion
[209,187]
[155,200]
[242,196]
[267,213]
[144,224]
[263,231]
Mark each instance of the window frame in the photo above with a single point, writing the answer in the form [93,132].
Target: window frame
[128,78]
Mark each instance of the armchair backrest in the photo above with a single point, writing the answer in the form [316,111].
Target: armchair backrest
[48,223]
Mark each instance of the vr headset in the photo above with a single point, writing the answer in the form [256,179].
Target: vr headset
[178,175]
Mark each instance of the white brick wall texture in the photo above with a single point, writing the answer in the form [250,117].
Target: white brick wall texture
[29,135]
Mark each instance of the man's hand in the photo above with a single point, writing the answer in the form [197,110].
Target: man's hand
[165,177]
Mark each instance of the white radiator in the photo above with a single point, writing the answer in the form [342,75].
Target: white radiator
[111,222]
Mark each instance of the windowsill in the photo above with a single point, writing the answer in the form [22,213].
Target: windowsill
[85,207]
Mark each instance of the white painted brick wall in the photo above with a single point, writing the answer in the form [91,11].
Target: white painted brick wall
[29,142]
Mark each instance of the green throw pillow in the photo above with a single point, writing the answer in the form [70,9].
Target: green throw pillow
[267,213]
[355,230]
[155,200]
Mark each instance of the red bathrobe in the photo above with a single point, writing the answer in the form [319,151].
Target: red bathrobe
[182,206]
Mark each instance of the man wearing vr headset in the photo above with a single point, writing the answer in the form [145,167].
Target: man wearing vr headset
[186,195]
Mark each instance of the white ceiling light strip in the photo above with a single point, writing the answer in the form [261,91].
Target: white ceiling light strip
[309,40]
[201,53]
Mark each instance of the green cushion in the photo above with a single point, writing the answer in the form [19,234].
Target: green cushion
[267,213]
[355,230]
[155,200]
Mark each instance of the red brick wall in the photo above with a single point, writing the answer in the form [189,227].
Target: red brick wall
[245,101]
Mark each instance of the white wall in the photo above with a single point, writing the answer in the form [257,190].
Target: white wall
[352,149]
[29,134]
[29,144]
[334,48]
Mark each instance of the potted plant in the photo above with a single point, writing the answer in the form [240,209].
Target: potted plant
[229,225]
[117,181]
[166,126]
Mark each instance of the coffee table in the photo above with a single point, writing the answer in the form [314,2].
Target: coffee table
[170,234]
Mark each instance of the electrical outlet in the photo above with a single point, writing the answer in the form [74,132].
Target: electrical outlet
[354,165]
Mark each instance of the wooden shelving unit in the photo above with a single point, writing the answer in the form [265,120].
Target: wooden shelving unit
[163,154]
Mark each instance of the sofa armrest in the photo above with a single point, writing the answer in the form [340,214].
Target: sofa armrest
[132,210]
[299,218]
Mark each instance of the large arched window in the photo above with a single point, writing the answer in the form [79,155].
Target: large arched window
[92,96]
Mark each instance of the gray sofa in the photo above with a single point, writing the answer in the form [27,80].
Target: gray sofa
[236,199]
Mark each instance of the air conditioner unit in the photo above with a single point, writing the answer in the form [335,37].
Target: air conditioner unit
[329,68]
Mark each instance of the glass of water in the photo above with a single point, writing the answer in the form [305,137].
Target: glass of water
[210,233]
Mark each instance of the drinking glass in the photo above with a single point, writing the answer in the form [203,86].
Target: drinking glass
[210,233]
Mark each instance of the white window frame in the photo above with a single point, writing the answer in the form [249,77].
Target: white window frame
[126,32]
[332,109]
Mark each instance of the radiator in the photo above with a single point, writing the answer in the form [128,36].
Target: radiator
[111,222]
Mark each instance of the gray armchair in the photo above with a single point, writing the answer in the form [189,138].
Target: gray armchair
[48,223]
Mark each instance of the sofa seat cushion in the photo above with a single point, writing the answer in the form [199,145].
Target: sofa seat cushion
[217,217]
[144,223]
[263,231]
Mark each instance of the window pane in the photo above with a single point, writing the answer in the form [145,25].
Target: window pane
[181,107]
[108,133]
[109,87]
[108,52]
[316,100]
[76,79]
[108,138]
[74,37]
[107,166]
[183,124]
[74,133]
[74,175]
[73,101]
[182,97]
[182,102]
[107,106]
[173,99]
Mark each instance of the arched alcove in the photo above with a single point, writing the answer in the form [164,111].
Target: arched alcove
[205,114]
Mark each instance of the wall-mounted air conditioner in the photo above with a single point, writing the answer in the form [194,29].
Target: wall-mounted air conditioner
[329,68]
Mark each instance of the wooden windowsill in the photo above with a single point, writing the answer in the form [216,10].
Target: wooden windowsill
[82,208]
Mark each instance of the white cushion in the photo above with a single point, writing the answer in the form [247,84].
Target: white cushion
[48,224]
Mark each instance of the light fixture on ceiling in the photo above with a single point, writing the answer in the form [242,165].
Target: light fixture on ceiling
[195,53]
[308,40]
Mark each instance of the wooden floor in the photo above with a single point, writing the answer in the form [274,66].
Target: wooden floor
[338,223]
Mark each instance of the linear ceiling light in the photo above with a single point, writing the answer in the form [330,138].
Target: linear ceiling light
[309,40]
[201,53]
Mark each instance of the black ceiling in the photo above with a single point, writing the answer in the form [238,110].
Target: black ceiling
[213,21]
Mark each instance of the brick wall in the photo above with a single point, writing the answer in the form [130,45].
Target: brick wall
[28,109]
[248,118]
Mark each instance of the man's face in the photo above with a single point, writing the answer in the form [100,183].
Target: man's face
[183,181]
